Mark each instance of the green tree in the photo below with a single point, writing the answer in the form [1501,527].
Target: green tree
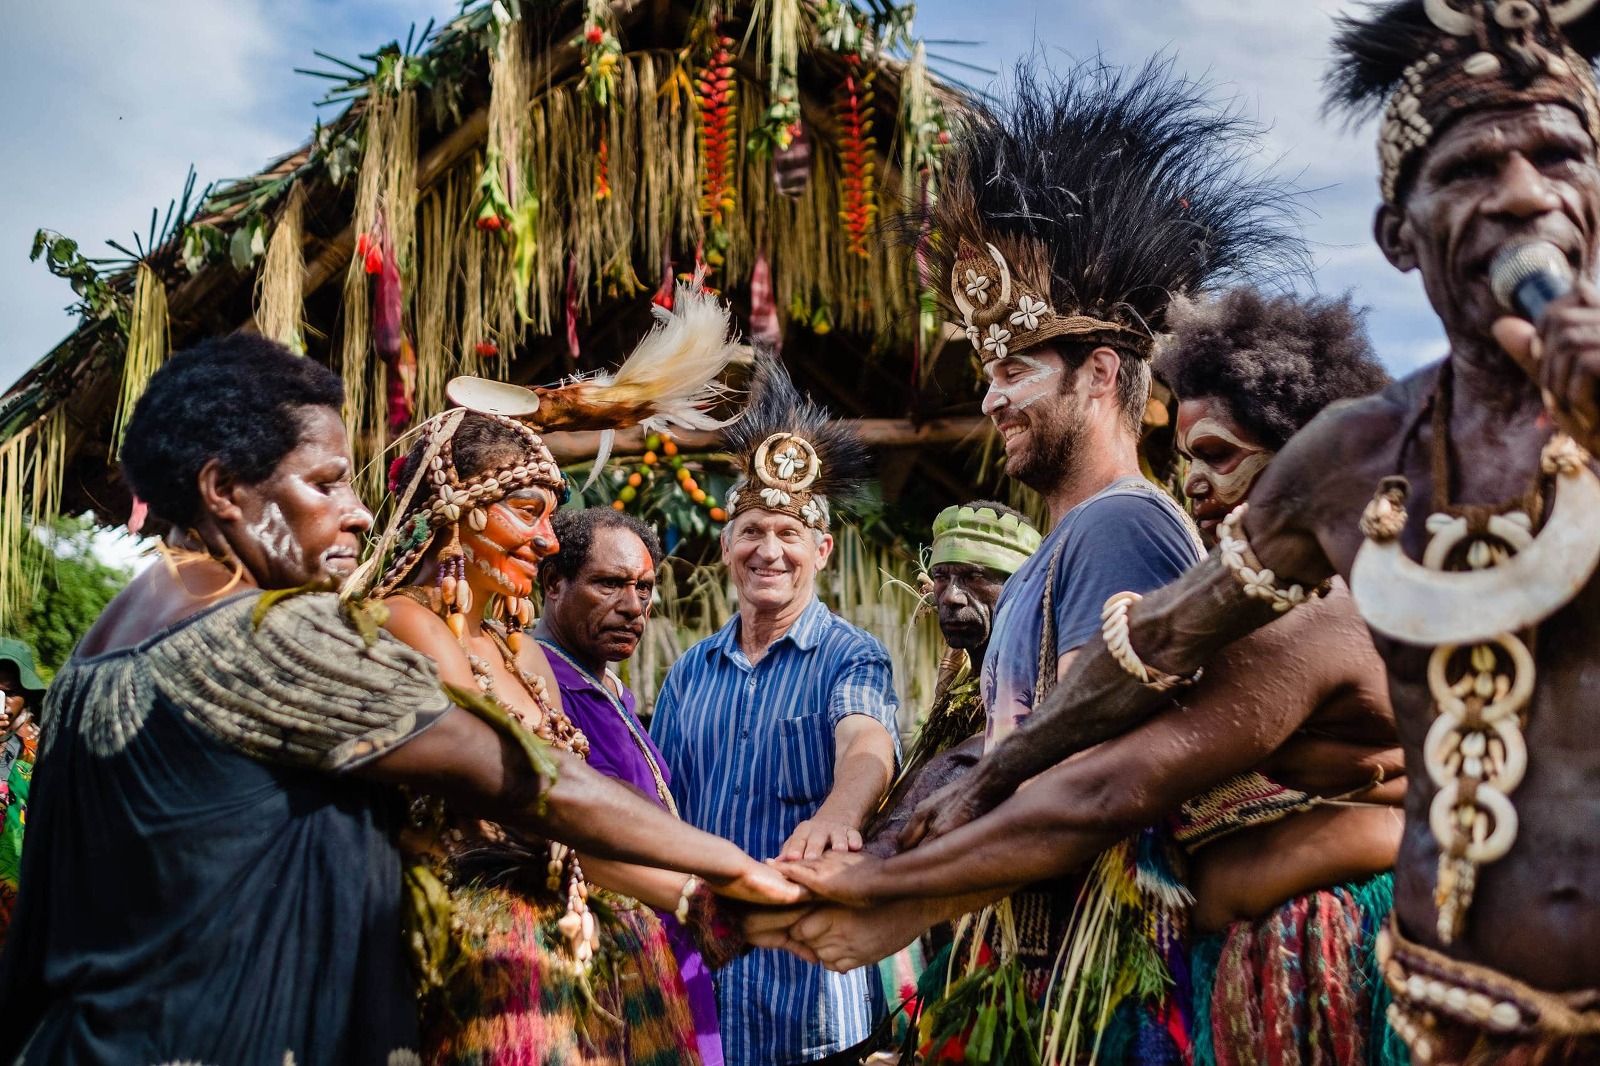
[74,587]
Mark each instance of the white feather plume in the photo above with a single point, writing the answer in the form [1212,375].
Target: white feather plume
[674,368]
[671,375]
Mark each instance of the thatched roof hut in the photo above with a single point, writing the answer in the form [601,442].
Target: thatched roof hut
[505,195]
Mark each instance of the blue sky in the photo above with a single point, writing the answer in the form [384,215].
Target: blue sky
[111,100]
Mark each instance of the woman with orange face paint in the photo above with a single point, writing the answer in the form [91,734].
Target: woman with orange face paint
[522,958]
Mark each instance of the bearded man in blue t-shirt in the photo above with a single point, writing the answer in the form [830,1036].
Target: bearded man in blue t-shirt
[1070,414]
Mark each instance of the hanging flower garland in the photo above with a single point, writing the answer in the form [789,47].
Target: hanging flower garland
[858,200]
[601,51]
[715,97]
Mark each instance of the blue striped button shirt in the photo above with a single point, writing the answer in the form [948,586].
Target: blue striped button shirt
[751,752]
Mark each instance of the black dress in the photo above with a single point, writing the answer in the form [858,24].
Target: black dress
[204,880]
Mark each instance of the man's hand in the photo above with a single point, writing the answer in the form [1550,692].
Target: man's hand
[816,835]
[771,927]
[844,939]
[760,883]
[851,878]
[1562,355]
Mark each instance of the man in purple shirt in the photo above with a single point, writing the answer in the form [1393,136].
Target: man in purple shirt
[597,591]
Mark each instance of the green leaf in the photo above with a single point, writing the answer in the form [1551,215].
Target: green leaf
[269,600]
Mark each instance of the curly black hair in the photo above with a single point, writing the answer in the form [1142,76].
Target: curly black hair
[1276,361]
[234,399]
[575,529]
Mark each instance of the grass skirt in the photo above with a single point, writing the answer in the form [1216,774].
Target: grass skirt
[513,1002]
[1299,987]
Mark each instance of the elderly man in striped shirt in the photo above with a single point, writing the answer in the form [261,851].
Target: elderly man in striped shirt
[780,729]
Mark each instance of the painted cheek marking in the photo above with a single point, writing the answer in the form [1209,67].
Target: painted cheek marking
[273,532]
[1235,485]
[491,571]
[1024,392]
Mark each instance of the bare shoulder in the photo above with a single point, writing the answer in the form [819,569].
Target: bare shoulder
[1357,432]
[162,596]
[535,661]
[413,624]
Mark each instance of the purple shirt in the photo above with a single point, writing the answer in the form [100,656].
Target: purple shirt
[619,747]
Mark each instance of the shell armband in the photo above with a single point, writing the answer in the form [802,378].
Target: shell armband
[1258,582]
[1114,628]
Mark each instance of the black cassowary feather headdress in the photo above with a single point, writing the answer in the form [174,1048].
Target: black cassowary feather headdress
[1424,63]
[791,454]
[1085,201]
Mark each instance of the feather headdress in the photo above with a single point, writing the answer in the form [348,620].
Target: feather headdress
[791,454]
[1084,202]
[1425,63]
[670,379]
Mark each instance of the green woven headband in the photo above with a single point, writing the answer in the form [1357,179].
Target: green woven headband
[980,536]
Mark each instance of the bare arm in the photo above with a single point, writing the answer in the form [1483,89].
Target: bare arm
[1256,694]
[1175,630]
[661,889]
[862,768]
[486,774]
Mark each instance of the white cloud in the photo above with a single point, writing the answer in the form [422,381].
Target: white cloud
[108,102]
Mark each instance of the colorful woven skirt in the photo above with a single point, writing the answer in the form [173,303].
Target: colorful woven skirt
[1299,987]
[514,1002]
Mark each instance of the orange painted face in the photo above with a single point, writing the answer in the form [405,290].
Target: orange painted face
[504,556]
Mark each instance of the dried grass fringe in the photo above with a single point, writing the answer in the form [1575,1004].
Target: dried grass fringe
[280,287]
[147,347]
[464,290]
[31,467]
[386,183]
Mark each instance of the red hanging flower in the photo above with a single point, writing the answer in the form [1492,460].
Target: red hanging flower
[858,201]
[716,106]
[602,172]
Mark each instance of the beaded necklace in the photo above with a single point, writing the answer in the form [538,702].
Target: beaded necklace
[578,925]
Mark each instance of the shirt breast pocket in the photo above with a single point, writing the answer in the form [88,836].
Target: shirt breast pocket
[805,754]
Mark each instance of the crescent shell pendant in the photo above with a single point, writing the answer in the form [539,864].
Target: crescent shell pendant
[1404,600]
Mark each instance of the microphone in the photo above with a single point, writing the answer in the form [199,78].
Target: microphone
[1526,278]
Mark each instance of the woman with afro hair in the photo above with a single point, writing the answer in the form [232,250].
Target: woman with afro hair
[1249,371]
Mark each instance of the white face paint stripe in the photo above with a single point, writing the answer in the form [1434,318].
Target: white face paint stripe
[272,532]
[1210,427]
[1024,392]
[1235,485]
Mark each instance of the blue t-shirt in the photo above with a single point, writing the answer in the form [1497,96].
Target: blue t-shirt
[1129,537]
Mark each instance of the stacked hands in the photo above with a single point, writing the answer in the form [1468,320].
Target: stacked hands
[851,913]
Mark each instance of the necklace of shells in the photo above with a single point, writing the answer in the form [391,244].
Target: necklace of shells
[1485,583]
[577,926]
